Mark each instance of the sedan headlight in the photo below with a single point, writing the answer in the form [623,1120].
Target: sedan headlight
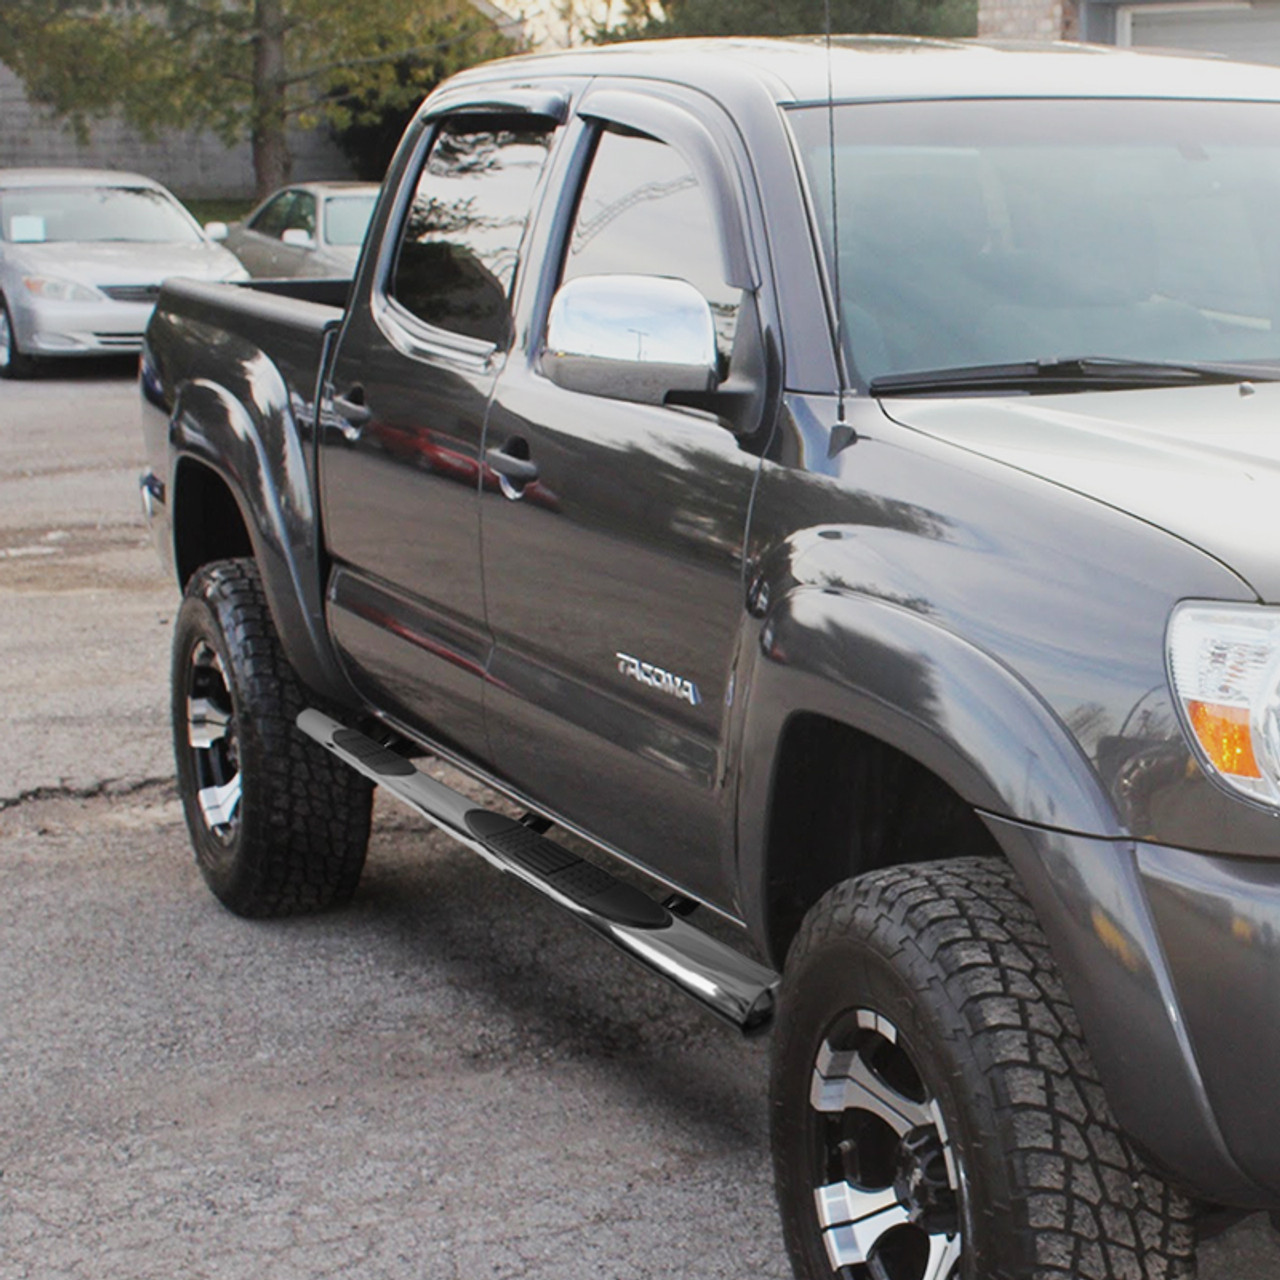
[1224,665]
[57,290]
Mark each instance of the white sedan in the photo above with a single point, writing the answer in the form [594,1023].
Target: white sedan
[82,256]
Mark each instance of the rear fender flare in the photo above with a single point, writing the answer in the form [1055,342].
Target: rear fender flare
[259,456]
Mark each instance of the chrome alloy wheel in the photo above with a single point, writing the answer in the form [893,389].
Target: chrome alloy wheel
[887,1184]
[6,339]
[212,737]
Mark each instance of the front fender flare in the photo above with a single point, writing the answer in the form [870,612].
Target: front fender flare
[897,676]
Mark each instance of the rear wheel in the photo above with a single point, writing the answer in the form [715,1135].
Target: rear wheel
[278,825]
[936,1114]
[13,363]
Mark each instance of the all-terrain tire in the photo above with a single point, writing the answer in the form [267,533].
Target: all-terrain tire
[948,961]
[279,826]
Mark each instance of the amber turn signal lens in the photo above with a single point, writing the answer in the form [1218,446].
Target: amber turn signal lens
[1224,734]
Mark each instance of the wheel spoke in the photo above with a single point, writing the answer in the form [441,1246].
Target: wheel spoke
[841,1202]
[854,1220]
[842,1081]
[207,723]
[219,804]
[944,1255]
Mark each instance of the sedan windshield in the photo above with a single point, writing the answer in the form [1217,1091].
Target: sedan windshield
[346,218]
[84,215]
[1002,232]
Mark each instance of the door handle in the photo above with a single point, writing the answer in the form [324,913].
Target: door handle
[355,412]
[351,413]
[517,470]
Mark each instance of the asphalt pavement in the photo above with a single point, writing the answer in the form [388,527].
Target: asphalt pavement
[448,1079]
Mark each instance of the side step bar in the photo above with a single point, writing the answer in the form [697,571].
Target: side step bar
[721,979]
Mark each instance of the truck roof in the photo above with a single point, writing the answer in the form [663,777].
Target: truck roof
[879,68]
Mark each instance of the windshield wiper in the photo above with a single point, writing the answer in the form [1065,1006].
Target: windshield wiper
[1080,373]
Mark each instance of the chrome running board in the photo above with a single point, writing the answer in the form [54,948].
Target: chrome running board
[719,978]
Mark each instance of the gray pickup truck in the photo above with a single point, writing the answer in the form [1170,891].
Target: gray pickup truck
[840,487]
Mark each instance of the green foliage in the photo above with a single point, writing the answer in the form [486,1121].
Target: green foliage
[218,210]
[200,62]
[805,17]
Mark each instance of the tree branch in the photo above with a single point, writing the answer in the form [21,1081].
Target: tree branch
[378,59]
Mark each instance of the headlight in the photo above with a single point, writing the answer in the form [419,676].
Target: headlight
[57,290]
[1224,665]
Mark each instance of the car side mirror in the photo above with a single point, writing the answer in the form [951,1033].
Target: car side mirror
[298,238]
[217,231]
[637,338]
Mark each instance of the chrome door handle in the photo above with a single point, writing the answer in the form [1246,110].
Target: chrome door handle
[517,470]
[351,411]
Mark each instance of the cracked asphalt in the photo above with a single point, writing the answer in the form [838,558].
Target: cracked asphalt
[446,1080]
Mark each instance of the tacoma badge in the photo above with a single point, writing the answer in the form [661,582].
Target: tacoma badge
[657,678]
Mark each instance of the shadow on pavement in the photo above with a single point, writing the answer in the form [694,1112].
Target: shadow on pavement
[90,369]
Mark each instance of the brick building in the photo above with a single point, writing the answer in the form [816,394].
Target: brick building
[1027,19]
[1248,31]
[197,165]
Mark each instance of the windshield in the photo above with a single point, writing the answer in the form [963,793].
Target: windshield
[346,218]
[63,215]
[1002,231]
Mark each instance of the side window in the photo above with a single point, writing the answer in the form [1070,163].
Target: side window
[643,212]
[302,216]
[461,238]
[275,216]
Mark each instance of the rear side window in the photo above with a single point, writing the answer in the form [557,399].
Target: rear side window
[461,238]
[643,212]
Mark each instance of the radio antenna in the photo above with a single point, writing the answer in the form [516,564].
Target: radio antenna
[843,434]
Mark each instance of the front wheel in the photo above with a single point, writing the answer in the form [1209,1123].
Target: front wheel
[936,1114]
[13,363]
[278,825]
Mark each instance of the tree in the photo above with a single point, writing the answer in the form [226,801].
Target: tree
[243,68]
[803,17]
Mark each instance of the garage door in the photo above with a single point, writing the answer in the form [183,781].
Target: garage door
[1249,33]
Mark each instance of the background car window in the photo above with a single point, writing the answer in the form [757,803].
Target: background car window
[94,215]
[346,218]
[643,212]
[302,214]
[274,217]
[461,238]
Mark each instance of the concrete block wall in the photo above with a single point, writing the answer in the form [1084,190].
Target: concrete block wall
[196,165]
[1027,19]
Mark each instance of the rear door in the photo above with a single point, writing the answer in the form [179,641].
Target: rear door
[614,577]
[400,455]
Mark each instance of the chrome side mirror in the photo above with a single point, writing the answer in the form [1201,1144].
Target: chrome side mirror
[217,231]
[635,338]
[298,238]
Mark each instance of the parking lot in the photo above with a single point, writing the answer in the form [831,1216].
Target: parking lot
[446,1080]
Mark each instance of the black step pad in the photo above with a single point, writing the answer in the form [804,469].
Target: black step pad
[580,881]
[371,755]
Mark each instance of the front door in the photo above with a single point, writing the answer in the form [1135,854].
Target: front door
[614,577]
